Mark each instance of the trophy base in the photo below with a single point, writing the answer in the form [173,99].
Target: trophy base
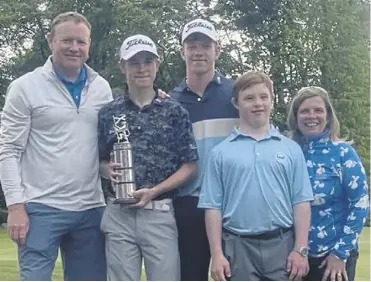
[125,201]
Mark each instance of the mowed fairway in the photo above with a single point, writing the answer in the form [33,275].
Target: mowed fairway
[9,266]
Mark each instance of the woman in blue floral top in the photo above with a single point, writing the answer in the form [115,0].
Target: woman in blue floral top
[339,182]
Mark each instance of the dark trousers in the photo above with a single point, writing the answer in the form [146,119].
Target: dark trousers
[193,244]
[316,274]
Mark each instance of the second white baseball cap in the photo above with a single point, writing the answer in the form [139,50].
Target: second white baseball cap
[201,26]
[135,44]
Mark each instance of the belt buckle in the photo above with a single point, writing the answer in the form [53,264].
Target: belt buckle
[165,208]
[156,206]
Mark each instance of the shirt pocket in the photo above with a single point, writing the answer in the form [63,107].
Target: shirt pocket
[324,187]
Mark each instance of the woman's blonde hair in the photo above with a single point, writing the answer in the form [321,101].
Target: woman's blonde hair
[309,92]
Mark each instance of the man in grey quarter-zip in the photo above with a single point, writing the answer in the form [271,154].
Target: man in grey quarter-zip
[49,159]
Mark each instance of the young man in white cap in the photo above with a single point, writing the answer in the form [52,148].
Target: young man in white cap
[206,94]
[164,157]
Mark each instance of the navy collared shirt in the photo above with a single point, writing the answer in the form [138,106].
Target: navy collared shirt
[213,118]
[161,136]
[215,102]
[74,87]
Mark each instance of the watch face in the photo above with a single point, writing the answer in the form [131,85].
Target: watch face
[304,251]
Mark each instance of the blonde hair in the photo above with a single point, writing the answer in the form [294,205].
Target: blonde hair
[249,79]
[309,92]
[68,16]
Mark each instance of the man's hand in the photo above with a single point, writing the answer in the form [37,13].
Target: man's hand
[18,223]
[335,268]
[220,268]
[144,195]
[297,265]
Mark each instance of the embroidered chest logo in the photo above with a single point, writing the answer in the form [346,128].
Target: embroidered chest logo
[280,157]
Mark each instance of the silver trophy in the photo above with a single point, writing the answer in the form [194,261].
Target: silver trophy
[122,154]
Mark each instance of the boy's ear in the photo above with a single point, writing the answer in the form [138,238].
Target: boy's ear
[182,53]
[122,66]
[234,103]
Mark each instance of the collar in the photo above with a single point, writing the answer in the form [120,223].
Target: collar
[217,79]
[80,79]
[273,133]
[157,100]
[48,70]
[325,135]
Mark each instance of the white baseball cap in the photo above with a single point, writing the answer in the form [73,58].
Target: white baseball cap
[201,26]
[135,44]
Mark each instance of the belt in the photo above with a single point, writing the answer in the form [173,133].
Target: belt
[196,193]
[262,236]
[163,205]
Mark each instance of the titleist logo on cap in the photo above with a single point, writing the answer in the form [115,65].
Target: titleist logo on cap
[134,42]
[198,24]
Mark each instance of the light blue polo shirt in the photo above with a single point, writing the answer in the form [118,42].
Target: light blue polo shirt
[74,87]
[255,184]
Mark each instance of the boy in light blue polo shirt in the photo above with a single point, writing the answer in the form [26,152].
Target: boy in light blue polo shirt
[256,193]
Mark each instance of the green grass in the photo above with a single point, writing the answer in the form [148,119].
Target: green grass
[9,264]
[363,263]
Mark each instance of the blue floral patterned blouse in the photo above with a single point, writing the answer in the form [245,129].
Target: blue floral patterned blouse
[341,202]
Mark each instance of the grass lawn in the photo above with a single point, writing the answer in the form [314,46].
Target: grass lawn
[363,263]
[9,265]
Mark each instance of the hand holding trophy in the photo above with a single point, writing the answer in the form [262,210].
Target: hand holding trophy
[122,153]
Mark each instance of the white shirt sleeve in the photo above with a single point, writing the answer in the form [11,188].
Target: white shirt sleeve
[14,131]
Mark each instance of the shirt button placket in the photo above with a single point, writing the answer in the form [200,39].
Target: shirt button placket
[257,151]
[139,127]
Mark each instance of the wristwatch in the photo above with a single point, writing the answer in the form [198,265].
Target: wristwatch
[303,251]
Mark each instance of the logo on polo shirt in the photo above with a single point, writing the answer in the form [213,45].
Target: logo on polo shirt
[135,42]
[198,24]
[280,156]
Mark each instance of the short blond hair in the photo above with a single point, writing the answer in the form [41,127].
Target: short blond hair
[68,16]
[249,79]
[309,92]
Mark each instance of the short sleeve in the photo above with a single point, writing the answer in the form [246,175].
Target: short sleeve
[211,196]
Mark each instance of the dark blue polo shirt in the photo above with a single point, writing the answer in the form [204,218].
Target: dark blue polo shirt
[213,118]
[161,136]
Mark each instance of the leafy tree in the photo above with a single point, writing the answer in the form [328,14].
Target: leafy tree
[309,42]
